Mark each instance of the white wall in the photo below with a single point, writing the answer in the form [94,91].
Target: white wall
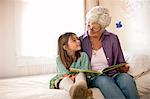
[134,35]
[7,38]
[134,15]
[10,11]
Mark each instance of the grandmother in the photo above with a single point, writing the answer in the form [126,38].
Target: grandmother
[103,49]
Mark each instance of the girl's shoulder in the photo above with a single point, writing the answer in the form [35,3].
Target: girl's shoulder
[83,54]
[58,60]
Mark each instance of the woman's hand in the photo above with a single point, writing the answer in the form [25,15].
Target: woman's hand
[124,69]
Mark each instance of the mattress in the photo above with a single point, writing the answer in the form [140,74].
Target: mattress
[37,87]
[30,87]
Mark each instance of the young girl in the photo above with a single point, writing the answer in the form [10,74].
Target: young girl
[69,56]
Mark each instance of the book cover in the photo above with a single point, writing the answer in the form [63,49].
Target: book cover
[98,72]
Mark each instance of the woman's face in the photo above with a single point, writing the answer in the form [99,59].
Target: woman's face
[93,29]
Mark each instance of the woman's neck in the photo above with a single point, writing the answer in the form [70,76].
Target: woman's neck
[96,42]
[99,36]
[96,38]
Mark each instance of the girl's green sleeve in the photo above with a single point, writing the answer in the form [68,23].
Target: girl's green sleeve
[60,67]
[84,61]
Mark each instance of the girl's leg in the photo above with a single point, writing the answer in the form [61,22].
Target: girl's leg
[66,83]
[80,90]
[127,85]
[81,78]
[108,87]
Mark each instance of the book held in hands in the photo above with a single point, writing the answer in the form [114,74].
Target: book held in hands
[110,68]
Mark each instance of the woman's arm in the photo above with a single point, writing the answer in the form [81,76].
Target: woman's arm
[120,57]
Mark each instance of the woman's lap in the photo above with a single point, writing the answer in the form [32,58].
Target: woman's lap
[118,87]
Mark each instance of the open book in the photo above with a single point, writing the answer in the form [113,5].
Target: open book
[98,72]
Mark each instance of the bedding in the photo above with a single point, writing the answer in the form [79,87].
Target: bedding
[30,87]
[34,87]
[37,87]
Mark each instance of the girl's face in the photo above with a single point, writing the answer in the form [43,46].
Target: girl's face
[93,29]
[73,43]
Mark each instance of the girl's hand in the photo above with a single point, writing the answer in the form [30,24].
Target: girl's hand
[72,77]
[66,75]
[124,69]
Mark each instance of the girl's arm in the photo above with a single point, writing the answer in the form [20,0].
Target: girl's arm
[84,61]
[61,70]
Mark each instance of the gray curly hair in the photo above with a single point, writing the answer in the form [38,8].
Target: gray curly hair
[100,15]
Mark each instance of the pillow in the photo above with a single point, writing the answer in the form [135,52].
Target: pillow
[139,63]
[143,84]
[97,93]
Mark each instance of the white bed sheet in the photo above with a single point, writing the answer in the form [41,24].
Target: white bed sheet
[30,87]
[37,87]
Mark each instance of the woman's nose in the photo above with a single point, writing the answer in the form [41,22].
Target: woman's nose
[91,28]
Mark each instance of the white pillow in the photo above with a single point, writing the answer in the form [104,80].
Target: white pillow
[143,84]
[139,63]
[97,93]
[140,69]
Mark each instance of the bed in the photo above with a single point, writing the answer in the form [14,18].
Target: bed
[30,87]
[37,86]
[34,87]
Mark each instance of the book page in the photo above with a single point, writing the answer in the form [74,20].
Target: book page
[98,72]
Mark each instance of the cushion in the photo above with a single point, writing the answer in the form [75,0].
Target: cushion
[139,63]
[140,69]
[97,93]
[143,84]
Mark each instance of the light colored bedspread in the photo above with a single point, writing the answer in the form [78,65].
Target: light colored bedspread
[30,87]
[37,87]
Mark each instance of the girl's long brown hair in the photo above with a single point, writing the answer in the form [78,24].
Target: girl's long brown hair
[64,57]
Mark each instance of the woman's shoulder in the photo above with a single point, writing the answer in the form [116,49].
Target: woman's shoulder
[111,35]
